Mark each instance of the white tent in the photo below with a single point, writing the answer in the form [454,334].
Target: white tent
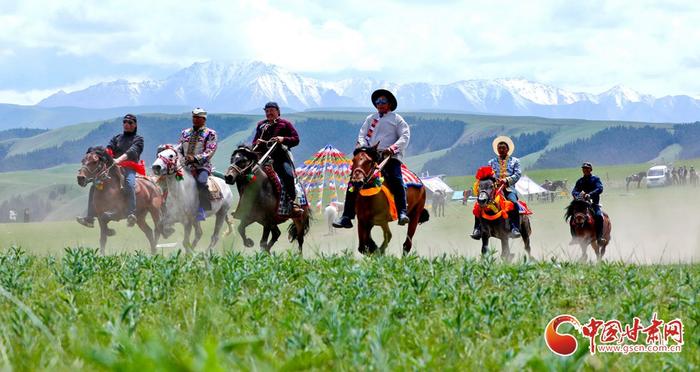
[435,183]
[527,186]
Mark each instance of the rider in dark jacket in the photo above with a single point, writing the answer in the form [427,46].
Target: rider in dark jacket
[590,187]
[125,146]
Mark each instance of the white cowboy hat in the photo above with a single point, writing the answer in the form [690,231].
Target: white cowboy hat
[507,141]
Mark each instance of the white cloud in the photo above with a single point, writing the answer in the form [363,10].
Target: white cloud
[580,46]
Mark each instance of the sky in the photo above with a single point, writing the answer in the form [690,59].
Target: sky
[650,46]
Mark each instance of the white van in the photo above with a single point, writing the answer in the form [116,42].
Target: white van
[656,176]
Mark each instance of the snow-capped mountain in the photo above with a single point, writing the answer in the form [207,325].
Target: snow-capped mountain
[246,86]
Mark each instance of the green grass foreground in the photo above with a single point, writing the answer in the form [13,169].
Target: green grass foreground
[282,312]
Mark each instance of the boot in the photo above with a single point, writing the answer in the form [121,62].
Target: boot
[343,222]
[403,218]
[514,217]
[476,234]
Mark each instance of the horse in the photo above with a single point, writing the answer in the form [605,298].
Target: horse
[554,185]
[579,215]
[635,177]
[182,198]
[109,201]
[499,227]
[259,201]
[374,209]
[438,201]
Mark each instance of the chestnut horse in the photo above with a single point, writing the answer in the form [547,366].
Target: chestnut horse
[580,217]
[109,200]
[259,201]
[374,209]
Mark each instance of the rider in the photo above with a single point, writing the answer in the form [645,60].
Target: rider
[198,145]
[589,187]
[124,147]
[391,133]
[274,128]
[507,171]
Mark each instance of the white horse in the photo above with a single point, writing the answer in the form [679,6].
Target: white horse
[330,214]
[182,198]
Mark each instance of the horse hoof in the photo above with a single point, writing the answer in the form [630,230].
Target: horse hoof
[110,232]
[168,231]
[248,242]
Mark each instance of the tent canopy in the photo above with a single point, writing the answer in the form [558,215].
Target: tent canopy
[527,186]
[436,183]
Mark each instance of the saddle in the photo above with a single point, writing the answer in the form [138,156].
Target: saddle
[214,189]
[284,210]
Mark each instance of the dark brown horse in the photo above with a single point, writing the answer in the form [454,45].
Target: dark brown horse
[498,227]
[259,201]
[579,215]
[374,210]
[109,200]
[636,177]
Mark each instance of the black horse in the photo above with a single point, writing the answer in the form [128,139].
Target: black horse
[259,201]
[498,227]
[636,177]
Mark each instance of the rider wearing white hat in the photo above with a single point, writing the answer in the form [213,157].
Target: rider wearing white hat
[507,172]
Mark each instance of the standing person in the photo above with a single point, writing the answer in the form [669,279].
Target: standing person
[589,187]
[390,132]
[507,172]
[280,130]
[126,149]
[198,145]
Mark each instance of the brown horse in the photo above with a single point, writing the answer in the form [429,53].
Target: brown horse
[499,227]
[109,201]
[374,209]
[259,201]
[579,214]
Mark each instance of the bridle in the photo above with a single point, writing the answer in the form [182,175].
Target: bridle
[366,176]
[100,173]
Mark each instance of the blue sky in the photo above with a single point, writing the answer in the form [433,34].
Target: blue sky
[649,46]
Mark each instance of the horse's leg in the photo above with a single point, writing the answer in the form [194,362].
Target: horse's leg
[412,225]
[299,226]
[155,215]
[484,241]
[506,256]
[247,242]
[197,234]
[275,236]
[141,222]
[220,218]
[525,230]
[596,249]
[387,237]
[584,254]
[103,234]
[263,239]
[186,239]
[362,233]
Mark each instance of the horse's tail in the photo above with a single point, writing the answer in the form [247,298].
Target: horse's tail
[229,224]
[306,224]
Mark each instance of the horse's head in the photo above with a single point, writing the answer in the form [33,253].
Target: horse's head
[243,159]
[94,165]
[364,163]
[167,161]
[577,213]
[487,189]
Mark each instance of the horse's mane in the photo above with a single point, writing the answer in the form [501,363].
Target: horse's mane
[575,204]
[371,151]
[102,153]
[247,150]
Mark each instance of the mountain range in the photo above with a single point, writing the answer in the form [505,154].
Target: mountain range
[244,87]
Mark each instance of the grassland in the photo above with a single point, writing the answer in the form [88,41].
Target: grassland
[133,312]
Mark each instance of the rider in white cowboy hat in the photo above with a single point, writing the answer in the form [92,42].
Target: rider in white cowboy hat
[507,170]
[391,133]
